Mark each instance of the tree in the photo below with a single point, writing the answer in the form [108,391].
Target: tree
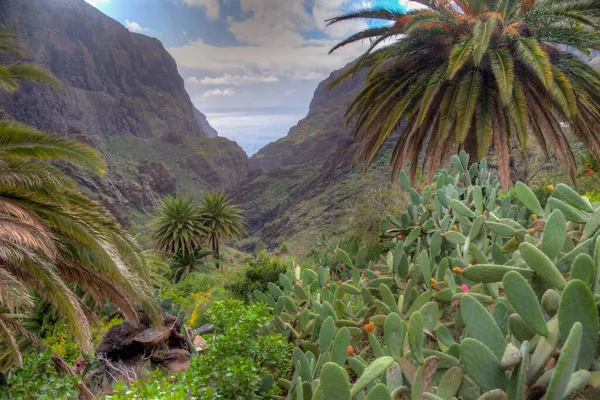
[222,218]
[473,74]
[178,227]
[180,232]
[52,238]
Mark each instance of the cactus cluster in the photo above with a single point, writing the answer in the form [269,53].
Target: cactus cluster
[475,297]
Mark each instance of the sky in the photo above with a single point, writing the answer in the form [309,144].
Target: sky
[246,54]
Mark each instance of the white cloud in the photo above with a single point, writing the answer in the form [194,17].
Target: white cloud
[228,79]
[96,3]
[219,92]
[280,44]
[135,27]
[211,7]
[272,22]
[326,9]
[267,60]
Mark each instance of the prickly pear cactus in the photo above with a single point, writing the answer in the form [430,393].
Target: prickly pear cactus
[476,296]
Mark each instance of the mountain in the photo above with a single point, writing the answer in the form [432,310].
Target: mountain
[209,131]
[122,94]
[304,183]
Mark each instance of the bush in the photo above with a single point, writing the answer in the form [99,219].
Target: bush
[38,377]
[242,351]
[195,294]
[259,273]
[60,340]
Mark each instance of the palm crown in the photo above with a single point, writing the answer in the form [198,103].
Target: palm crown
[223,219]
[476,73]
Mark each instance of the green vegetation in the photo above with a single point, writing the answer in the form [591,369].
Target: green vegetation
[39,375]
[448,288]
[222,218]
[245,355]
[475,73]
[183,227]
[470,299]
[258,274]
[52,236]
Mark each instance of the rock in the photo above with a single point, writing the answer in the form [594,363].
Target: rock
[174,360]
[200,344]
[118,343]
[208,130]
[159,177]
[133,192]
[121,94]
[205,329]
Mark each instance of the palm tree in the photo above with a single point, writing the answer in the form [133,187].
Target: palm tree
[476,73]
[223,219]
[180,233]
[183,265]
[54,239]
[178,227]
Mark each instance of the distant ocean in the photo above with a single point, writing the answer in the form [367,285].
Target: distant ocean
[253,129]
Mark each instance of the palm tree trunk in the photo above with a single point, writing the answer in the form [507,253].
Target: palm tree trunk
[470,145]
[215,248]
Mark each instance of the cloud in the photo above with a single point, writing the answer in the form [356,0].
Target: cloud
[272,22]
[219,92]
[135,27]
[228,79]
[326,9]
[284,43]
[211,7]
[268,60]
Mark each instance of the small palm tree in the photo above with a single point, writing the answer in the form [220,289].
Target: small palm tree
[475,73]
[178,227]
[222,218]
[184,264]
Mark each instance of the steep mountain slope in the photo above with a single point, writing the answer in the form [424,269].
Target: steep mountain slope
[304,183]
[122,94]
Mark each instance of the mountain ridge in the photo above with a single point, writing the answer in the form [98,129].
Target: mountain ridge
[123,95]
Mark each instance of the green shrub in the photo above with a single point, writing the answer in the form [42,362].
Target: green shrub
[243,350]
[259,273]
[154,385]
[61,341]
[39,379]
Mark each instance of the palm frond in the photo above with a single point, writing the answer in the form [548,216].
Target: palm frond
[18,140]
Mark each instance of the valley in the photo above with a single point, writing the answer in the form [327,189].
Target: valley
[441,244]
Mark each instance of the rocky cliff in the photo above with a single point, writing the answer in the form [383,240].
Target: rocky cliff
[122,94]
[302,184]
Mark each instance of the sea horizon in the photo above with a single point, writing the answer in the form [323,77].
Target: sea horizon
[255,128]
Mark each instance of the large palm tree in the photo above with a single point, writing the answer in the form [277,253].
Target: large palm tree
[474,74]
[223,220]
[53,238]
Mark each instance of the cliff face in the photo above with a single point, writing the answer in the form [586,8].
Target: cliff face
[122,94]
[203,122]
[314,137]
[300,185]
